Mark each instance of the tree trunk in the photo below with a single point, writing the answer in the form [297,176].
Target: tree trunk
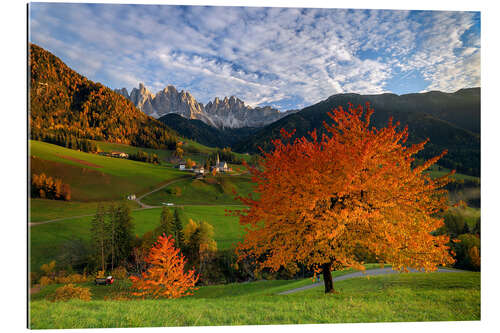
[327,278]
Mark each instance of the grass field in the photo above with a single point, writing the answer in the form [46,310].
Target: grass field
[43,209]
[47,241]
[389,298]
[93,177]
[470,214]
[210,190]
[439,171]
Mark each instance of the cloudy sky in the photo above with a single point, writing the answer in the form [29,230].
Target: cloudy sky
[285,57]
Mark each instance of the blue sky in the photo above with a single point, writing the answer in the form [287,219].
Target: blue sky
[285,57]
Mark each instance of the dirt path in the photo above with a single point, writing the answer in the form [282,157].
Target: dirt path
[143,205]
[369,272]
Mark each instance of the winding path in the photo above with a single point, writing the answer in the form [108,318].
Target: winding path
[369,272]
[142,205]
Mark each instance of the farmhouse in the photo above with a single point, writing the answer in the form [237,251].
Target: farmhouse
[181,165]
[131,197]
[118,154]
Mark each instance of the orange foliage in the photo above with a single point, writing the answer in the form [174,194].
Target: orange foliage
[475,258]
[44,186]
[165,276]
[320,199]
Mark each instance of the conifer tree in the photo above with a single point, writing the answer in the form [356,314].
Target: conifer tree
[178,231]
[124,232]
[167,225]
[100,237]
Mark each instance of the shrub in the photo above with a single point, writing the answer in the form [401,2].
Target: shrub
[119,273]
[73,278]
[34,277]
[48,268]
[177,191]
[465,256]
[45,281]
[70,291]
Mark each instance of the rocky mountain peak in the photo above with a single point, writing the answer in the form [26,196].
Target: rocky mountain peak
[230,112]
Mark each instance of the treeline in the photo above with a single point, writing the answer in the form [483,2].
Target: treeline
[465,239]
[112,236]
[61,99]
[225,155]
[142,156]
[114,248]
[46,187]
[61,138]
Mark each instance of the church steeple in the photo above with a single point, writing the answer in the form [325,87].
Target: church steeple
[217,162]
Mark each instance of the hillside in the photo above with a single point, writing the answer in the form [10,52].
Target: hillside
[419,111]
[93,177]
[197,130]
[66,106]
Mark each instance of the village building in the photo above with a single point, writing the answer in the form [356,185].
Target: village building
[199,171]
[220,166]
[131,197]
[118,154]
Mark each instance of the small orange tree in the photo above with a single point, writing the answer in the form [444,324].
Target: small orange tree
[165,275]
[319,200]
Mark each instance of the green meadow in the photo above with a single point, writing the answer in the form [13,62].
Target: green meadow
[93,177]
[210,190]
[46,210]
[387,298]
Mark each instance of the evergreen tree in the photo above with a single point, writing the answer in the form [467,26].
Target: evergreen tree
[111,230]
[124,233]
[100,237]
[178,233]
[167,225]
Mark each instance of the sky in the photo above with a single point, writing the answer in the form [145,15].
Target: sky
[288,58]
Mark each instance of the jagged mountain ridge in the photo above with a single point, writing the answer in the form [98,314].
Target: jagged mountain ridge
[229,112]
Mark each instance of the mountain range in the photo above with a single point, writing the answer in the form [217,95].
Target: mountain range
[65,105]
[450,120]
[229,112]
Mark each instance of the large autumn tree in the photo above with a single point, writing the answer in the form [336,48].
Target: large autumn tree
[319,199]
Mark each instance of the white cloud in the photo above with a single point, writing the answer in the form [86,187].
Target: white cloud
[261,55]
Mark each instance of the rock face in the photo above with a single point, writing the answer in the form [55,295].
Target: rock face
[227,113]
[233,113]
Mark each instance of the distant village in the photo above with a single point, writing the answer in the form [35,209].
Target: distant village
[219,167]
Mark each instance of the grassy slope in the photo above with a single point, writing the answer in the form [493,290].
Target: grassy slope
[120,176]
[390,298]
[44,210]
[206,191]
[46,239]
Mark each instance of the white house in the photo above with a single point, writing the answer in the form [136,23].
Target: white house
[131,197]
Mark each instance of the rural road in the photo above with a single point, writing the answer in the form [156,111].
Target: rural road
[143,205]
[368,272]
